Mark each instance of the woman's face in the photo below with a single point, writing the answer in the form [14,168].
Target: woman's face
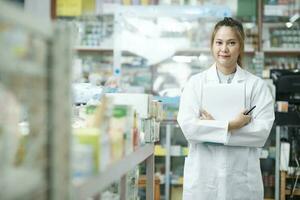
[226,47]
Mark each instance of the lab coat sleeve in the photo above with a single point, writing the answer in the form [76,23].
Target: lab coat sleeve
[255,133]
[194,129]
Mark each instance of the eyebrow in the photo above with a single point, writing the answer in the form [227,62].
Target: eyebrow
[227,40]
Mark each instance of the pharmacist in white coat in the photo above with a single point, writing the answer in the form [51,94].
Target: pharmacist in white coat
[223,161]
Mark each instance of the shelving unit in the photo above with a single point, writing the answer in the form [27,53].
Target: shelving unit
[98,49]
[38,78]
[117,171]
[169,126]
[143,181]
[206,50]
[281,51]
[269,52]
[160,151]
[283,190]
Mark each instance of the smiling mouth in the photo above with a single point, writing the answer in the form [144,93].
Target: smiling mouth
[222,56]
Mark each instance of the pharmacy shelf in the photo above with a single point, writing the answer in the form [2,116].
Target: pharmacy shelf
[177,182]
[36,80]
[286,191]
[179,51]
[289,192]
[116,171]
[13,14]
[169,121]
[205,50]
[173,155]
[291,176]
[22,67]
[99,49]
[161,151]
[193,50]
[93,48]
[281,51]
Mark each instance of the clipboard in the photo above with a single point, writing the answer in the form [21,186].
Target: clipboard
[224,101]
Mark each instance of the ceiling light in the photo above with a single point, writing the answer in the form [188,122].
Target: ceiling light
[294,17]
[289,24]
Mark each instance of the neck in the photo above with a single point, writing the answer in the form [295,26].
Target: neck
[226,70]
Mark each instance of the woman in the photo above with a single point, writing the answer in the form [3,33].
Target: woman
[223,161]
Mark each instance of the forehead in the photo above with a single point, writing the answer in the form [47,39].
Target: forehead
[226,33]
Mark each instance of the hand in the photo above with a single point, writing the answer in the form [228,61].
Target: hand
[206,116]
[240,121]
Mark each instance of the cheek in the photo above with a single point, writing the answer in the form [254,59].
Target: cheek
[215,50]
[215,54]
[236,52]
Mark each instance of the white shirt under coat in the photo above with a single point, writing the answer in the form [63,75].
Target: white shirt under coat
[224,165]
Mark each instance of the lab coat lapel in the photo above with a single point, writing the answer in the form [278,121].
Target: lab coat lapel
[212,75]
[240,75]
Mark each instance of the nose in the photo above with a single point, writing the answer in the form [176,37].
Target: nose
[224,48]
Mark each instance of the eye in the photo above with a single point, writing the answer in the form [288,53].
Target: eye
[218,43]
[232,43]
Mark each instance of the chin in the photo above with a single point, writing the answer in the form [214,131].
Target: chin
[226,63]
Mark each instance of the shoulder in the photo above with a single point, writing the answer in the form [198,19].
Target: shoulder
[254,79]
[255,82]
[196,78]
[193,84]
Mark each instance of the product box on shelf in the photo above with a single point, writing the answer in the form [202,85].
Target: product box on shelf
[156,110]
[120,131]
[86,151]
[151,130]
[170,106]
[140,102]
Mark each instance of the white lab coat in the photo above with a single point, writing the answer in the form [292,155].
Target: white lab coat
[224,165]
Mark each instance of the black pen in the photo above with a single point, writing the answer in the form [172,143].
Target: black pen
[246,113]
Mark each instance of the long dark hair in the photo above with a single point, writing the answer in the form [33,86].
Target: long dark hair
[239,31]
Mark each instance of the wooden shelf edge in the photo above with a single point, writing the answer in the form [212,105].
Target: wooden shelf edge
[296,192]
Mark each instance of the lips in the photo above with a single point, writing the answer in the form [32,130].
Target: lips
[224,56]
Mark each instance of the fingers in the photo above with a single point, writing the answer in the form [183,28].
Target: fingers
[247,119]
[209,116]
[242,120]
[244,111]
[206,116]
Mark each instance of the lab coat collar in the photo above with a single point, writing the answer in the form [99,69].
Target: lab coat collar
[212,74]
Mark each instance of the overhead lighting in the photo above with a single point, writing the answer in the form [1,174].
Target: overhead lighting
[294,17]
[202,58]
[289,24]
[249,25]
[183,59]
